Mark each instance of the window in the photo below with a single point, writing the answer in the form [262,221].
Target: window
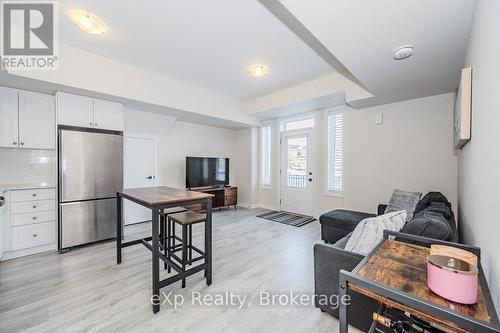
[265,156]
[295,124]
[335,152]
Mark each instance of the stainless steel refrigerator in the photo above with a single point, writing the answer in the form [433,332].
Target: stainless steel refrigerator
[90,173]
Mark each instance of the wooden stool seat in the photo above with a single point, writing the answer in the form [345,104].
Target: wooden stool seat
[173,210]
[187,217]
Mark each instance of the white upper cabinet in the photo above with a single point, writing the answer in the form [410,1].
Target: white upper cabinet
[108,115]
[36,121]
[74,110]
[9,119]
[27,119]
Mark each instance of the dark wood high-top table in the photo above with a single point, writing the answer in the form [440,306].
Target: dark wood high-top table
[157,199]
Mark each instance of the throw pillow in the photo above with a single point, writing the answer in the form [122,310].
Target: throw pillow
[370,231]
[402,200]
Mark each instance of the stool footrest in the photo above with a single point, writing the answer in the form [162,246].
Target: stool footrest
[182,275]
[189,262]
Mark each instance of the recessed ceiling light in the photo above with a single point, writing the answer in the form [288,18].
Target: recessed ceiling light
[403,52]
[258,70]
[88,22]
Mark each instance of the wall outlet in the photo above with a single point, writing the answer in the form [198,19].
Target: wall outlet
[379,118]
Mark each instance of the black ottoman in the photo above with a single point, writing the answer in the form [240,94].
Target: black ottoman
[338,223]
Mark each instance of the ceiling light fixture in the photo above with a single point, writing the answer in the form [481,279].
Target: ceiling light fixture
[403,52]
[88,22]
[258,70]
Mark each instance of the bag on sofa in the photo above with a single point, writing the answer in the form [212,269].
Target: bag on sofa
[429,199]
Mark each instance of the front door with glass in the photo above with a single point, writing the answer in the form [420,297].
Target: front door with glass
[297,166]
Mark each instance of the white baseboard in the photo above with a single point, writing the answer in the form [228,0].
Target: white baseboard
[246,205]
[26,252]
[270,207]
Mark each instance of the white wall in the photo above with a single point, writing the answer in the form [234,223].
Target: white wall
[174,140]
[412,150]
[246,166]
[479,160]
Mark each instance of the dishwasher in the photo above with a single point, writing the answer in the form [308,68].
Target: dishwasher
[2,202]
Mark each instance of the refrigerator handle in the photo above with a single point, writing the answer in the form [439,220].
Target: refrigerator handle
[62,182]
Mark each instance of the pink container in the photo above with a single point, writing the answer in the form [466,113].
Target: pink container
[452,278]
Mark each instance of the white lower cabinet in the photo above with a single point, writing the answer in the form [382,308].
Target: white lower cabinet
[31,222]
[32,235]
[35,194]
[32,206]
[32,218]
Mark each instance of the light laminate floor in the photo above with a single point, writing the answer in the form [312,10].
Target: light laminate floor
[84,290]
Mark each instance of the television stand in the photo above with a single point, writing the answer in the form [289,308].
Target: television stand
[226,196]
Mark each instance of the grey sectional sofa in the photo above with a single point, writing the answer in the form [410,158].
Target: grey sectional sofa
[433,218]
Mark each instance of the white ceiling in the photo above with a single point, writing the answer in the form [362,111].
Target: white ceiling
[362,35]
[205,43]
[19,82]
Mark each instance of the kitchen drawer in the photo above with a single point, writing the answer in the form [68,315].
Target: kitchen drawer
[35,194]
[32,235]
[31,218]
[32,206]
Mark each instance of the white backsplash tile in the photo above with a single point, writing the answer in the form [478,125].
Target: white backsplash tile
[19,166]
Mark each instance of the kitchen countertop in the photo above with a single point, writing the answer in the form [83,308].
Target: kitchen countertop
[25,186]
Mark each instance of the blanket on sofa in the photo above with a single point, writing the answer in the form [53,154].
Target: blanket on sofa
[369,232]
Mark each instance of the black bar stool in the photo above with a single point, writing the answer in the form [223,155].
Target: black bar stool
[186,220]
[164,225]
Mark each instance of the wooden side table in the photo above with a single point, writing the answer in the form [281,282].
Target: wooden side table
[395,275]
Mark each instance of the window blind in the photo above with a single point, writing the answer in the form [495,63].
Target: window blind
[265,158]
[335,152]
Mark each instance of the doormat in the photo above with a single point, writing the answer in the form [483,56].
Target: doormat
[295,220]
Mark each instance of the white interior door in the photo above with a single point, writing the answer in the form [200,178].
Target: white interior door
[297,168]
[138,171]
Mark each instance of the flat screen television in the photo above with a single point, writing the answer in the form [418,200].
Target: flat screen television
[206,171]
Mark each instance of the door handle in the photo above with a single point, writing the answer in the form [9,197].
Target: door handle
[149,177]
